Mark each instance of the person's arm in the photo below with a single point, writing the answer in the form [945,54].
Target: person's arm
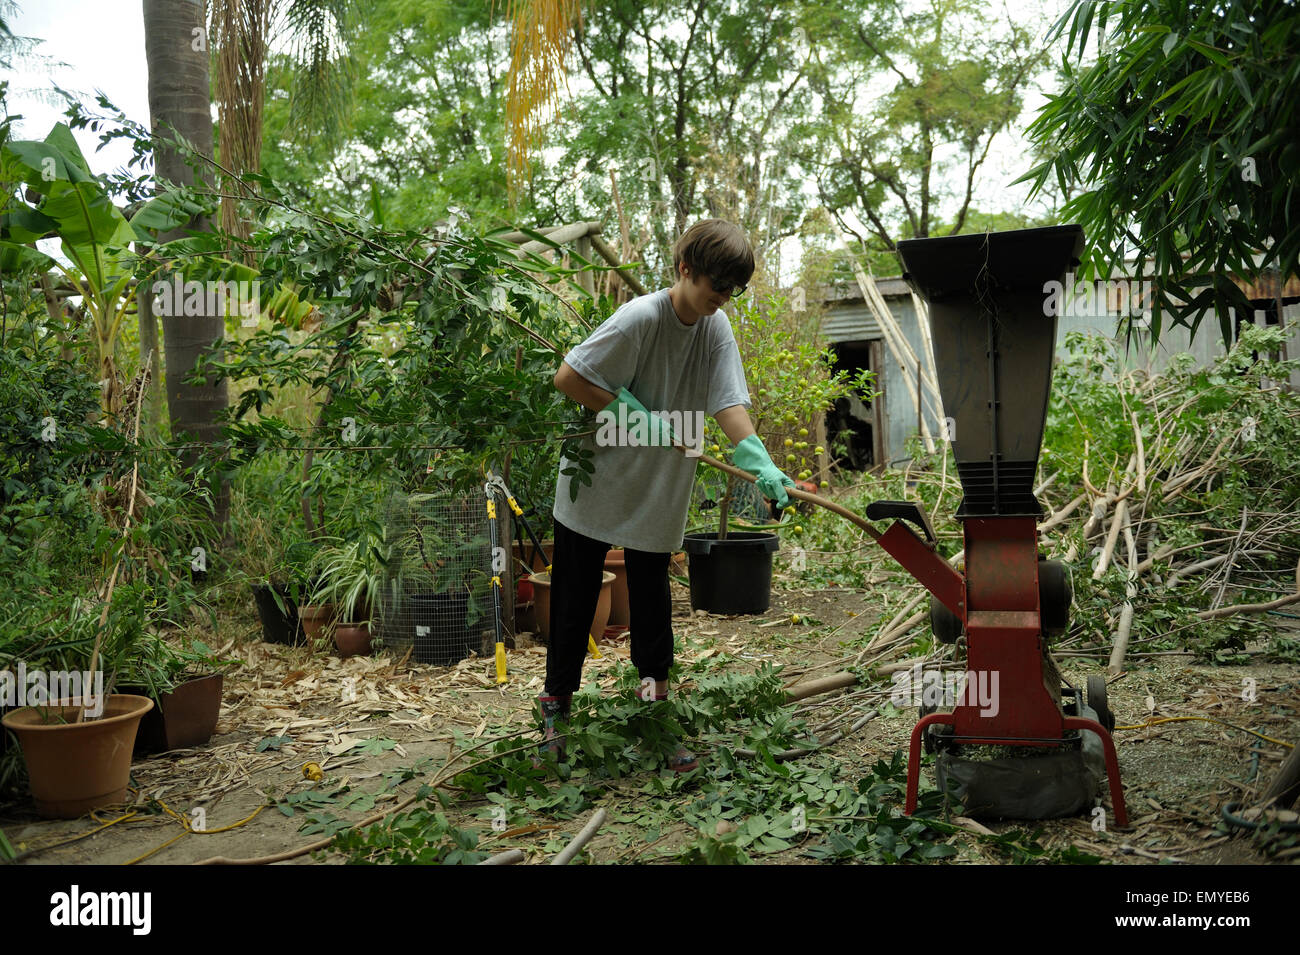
[751,456]
[572,384]
[735,423]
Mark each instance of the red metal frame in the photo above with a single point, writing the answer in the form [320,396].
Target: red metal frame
[997,600]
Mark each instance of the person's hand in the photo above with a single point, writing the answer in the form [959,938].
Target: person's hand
[625,413]
[751,456]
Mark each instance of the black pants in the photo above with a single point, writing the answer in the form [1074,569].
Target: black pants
[577,565]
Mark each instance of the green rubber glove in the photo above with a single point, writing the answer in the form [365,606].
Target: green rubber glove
[627,413]
[751,456]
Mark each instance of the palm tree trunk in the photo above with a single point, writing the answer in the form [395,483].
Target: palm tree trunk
[176,50]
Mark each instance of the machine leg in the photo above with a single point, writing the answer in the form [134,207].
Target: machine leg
[914,756]
[1112,764]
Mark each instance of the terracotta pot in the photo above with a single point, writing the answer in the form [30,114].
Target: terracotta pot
[352,639]
[542,604]
[77,767]
[538,565]
[184,717]
[314,619]
[616,564]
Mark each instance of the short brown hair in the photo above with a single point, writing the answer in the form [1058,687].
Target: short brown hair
[716,248]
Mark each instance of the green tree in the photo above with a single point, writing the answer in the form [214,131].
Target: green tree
[427,126]
[696,103]
[904,158]
[1183,135]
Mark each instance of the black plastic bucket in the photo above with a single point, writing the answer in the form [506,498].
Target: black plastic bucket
[278,626]
[438,629]
[732,575]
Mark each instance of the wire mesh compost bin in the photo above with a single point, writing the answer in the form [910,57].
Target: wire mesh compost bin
[436,597]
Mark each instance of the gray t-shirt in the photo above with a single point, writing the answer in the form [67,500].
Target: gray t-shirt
[639,496]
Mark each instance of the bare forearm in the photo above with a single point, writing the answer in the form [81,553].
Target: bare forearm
[735,423]
[574,386]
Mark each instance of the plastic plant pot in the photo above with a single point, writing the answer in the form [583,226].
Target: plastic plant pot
[184,717]
[439,632]
[731,576]
[278,626]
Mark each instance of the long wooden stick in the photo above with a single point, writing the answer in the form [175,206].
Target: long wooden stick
[126,527]
[1062,514]
[582,838]
[837,681]
[1141,455]
[1121,512]
[1249,608]
[1116,664]
[797,494]
[509,857]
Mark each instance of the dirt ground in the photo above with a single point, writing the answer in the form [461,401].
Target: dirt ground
[376,729]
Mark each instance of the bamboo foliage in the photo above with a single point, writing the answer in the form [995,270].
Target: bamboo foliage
[539,44]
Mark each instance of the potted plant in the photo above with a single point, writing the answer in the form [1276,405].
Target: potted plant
[77,747]
[185,680]
[349,576]
[793,383]
[274,560]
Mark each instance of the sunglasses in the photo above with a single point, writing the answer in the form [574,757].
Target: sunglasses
[726,288]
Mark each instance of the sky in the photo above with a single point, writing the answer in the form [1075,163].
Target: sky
[101,43]
[100,46]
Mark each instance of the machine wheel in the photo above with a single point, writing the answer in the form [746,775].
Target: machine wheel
[1097,700]
[1055,593]
[945,624]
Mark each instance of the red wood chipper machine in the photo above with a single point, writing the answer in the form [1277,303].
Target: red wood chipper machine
[994,342]
[994,338]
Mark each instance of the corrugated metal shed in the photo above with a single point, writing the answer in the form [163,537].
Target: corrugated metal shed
[847,319]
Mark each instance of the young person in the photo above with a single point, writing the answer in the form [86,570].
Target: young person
[671,351]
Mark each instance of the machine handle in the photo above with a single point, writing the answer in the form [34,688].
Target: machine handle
[902,511]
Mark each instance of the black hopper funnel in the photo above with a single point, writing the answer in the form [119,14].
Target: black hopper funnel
[994,339]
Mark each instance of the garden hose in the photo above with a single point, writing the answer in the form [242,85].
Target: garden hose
[1206,719]
[187,829]
[35,850]
[1230,816]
